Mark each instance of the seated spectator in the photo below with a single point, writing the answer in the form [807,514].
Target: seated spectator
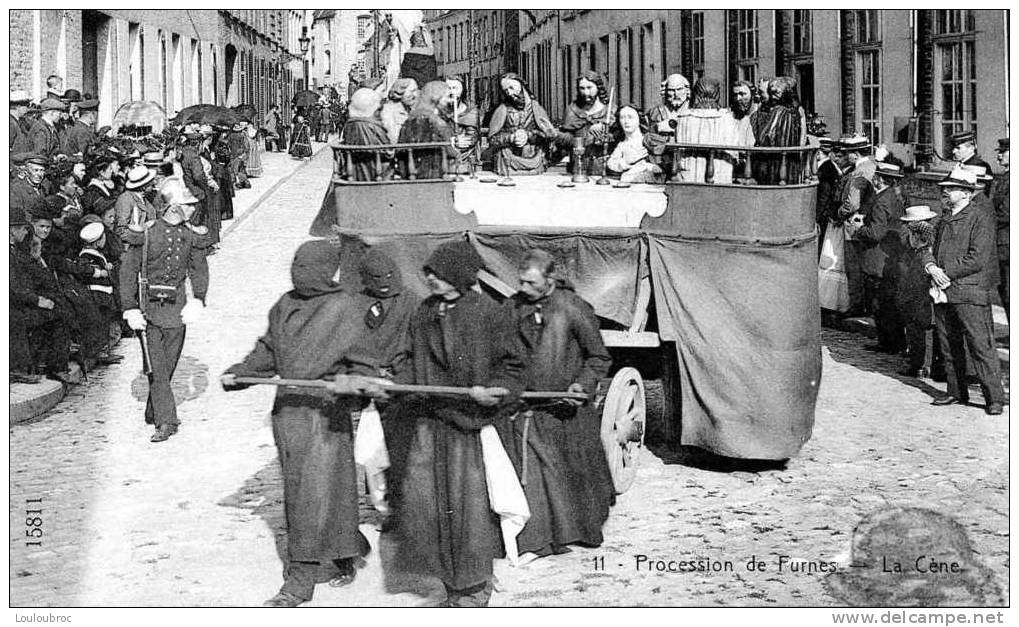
[100,285]
[629,160]
[426,125]
[363,128]
[707,123]
[99,192]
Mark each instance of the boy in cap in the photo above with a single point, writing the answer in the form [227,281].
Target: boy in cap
[912,301]
[458,337]
[166,254]
[100,285]
[961,264]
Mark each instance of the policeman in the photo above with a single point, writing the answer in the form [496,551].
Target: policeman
[964,150]
[173,252]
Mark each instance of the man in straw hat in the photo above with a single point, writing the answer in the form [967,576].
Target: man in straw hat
[961,264]
[18,138]
[856,199]
[133,208]
[879,233]
[173,252]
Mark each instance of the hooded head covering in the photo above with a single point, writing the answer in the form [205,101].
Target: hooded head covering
[364,103]
[315,264]
[456,263]
[379,275]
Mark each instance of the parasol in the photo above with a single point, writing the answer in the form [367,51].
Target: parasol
[140,113]
[246,111]
[306,98]
[207,114]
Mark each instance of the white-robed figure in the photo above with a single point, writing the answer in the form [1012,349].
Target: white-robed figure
[708,123]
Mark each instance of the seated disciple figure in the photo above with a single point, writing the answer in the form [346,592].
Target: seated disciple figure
[709,124]
[424,125]
[520,130]
[663,118]
[363,128]
[629,160]
[466,122]
[587,120]
[780,124]
[402,98]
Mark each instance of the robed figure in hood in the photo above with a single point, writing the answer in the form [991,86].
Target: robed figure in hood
[313,330]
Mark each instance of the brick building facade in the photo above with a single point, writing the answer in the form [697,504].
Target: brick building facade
[176,58]
[477,46]
[906,78]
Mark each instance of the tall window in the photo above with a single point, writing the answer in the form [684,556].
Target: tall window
[954,21]
[868,26]
[697,40]
[958,88]
[870,94]
[746,44]
[802,40]
[364,23]
[163,92]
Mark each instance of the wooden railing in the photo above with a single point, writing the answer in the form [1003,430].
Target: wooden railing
[795,163]
[385,159]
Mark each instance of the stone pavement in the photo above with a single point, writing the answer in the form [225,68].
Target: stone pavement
[198,520]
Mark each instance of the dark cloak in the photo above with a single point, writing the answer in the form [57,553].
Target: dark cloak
[445,525]
[568,486]
[777,126]
[366,132]
[529,159]
[421,127]
[308,338]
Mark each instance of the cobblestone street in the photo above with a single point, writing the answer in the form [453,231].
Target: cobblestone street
[198,520]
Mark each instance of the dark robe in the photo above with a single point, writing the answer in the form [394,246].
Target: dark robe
[418,64]
[36,335]
[366,132]
[777,126]
[309,338]
[421,127]
[530,158]
[466,124]
[465,345]
[577,122]
[655,140]
[568,486]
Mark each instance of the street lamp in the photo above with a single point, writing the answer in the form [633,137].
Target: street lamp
[305,42]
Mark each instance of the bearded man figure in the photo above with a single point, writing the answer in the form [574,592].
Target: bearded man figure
[588,118]
[520,130]
[778,125]
[663,119]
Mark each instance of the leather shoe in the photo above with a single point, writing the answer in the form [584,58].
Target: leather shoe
[994,409]
[346,575]
[284,599]
[948,400]
[163,433]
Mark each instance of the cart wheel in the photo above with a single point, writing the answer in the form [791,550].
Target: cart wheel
[622,426]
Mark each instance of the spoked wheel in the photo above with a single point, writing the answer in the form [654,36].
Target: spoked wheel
[622,426]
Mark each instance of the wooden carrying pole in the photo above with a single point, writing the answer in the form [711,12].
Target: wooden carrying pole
[400,388]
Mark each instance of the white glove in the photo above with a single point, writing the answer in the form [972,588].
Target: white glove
[135,319]
[192,311]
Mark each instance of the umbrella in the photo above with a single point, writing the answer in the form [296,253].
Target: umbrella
[207,114]
[246,111]
[140,113]
[305,98]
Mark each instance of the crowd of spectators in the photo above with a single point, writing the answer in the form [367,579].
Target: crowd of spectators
[78,197]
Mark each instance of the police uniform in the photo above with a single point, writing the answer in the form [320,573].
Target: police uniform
[175,253]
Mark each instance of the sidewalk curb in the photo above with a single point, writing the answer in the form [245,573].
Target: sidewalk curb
[238,220]
[28,400]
